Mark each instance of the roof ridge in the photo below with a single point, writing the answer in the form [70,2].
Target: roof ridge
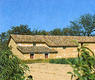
[49,35]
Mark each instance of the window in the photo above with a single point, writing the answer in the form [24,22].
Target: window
[64,47]
[31,56]
[46,55]
[34,44]
[81,44]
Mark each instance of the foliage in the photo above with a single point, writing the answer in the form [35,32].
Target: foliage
[55,61]
[63,60]
[84,66]
[22,29]
[39,32]
[56,31]
[11,68]
[84,26]
[36,61]
[3,40]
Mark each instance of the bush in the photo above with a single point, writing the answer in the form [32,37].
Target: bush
[11,68]
[84,67]
[63,61]
[36,61]
[55,61]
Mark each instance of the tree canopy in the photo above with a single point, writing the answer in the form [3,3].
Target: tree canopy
[84,65]
[84,26]
[11,68]
[22,29]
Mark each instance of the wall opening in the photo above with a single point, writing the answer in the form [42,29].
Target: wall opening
[32,56]
[34,44]
[81,44]
[46,55]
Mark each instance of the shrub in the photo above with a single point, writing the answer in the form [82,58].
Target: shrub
[36,61]
[63,61]
[84,67]
[11,68]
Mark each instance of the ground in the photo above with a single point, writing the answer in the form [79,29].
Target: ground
[47,71]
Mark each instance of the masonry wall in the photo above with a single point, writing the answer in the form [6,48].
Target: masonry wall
[63,52]
[31,44]
[90,46]
[16,52]
[22,56]
[66,52]
[39,56]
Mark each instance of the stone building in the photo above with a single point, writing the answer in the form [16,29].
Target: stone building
[43,47]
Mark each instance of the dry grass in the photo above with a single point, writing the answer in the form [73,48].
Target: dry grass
[47,71]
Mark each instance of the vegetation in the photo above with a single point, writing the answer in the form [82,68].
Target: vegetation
[36,61]
[22,29]
[84,66]
[11,68]
[63,61]
[55,61]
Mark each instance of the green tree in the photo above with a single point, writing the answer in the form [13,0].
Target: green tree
[22,29]
[84,67]
[84,26]
[3,40]
[11,68]
[39,32]
[56,31]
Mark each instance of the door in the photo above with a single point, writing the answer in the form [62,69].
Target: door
[31,56]
[46,55]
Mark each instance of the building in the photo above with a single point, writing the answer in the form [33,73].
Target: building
[42,47]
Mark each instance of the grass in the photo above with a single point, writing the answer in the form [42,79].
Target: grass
[54,61]
[63,61]
[36,61]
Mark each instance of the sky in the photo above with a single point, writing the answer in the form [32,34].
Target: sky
[42,14]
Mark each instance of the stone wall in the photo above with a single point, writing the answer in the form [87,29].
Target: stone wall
[63,52]
[66,52]
[16,52]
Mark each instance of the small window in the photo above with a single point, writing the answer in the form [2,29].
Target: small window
[31,56]
[81,44]
[34,44]
[46,55]
[64,47]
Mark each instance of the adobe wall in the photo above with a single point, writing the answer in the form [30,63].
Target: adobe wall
[16,52]
[39,56]
[63,52]
[31,44]
[90,46]
[68,52]
[25,44]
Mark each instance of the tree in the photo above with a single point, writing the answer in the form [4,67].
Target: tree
[3,40]
[56,31]
[84,26]
[68,32]
[11,68]
[87,22]
[84,67]
[22,29]
[39,32]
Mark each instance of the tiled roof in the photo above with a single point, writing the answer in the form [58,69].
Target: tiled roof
[53,40]
[36,49]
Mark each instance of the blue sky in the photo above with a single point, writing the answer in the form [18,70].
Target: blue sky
[42,14]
